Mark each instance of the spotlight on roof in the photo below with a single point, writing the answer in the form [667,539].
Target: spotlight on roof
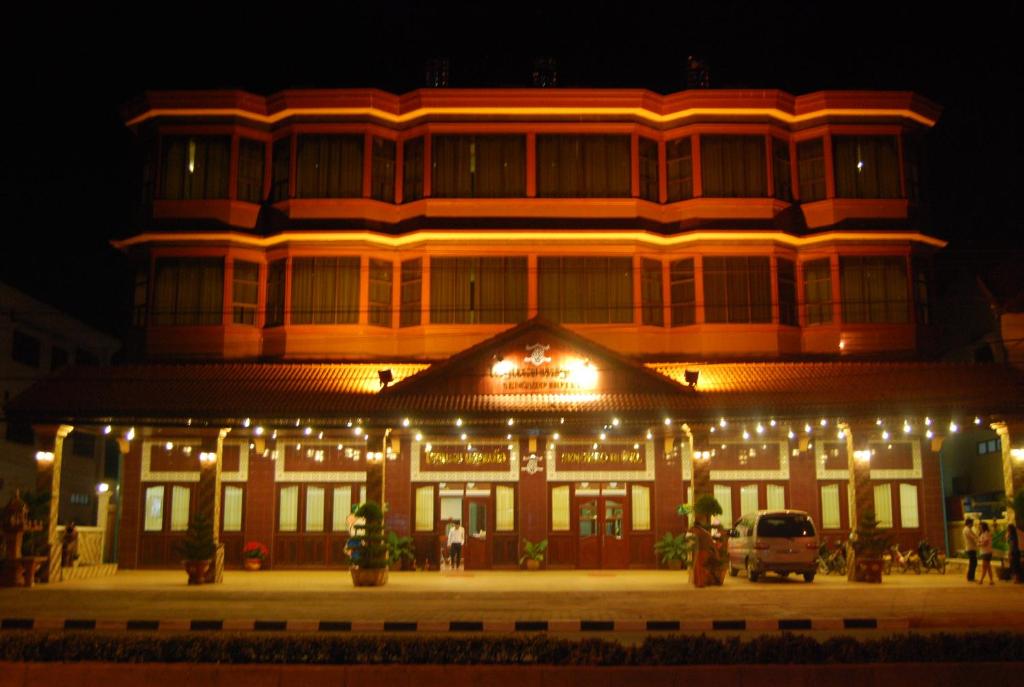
[691,377]
[385,377]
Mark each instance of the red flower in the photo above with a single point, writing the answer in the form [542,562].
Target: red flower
[255,549]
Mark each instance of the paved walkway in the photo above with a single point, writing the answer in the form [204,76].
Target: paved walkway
[624,597]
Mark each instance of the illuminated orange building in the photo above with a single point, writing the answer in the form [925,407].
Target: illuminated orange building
[545,312]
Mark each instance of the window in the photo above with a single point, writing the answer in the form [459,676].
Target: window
[866,166]
[810,158]
[314,509]
[381,277]
[26,349]
[412,170]
[578,290]
[189,291]
[912,167]
[874,289]
[250,170]
[504,508]
[883,505]
[909,517]
[233,509]
[781,170]
[341,506]
[382,175]
[154,514]
[990,446]
[478,166]
[830,507]
[329,167]
[684,293]
[140,295]
[325,290]
[737,289]
[640,502]
[679,169]
[650,293]
[649,170]
[245,292]
[776,496]
[196,167]
[477,290]
[83,444]
[560,509]
[275,293]
[921,291]
[58,358]
[818,291]
[790,525]
[733,166]
[425,509]
[181,498]
[583,166]
[748,499]
[723,494]
[786,272]
[412,292]
[288,509]
[281,170]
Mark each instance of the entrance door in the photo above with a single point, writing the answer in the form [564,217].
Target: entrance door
[601,525]
[477,550]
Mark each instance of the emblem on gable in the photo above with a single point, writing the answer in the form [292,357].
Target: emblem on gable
[537,357]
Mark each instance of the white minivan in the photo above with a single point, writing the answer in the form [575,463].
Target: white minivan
[779,541]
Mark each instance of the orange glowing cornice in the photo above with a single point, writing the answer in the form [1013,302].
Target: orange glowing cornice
[522,235]
[529,103]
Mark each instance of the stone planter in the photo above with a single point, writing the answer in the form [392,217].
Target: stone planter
[253,563]
[371,577]
[867,569]
[196,571]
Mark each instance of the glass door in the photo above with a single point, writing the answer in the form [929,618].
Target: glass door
[478,526]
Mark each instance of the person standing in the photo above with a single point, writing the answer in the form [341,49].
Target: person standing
[985,547]
[971,545]
[456,538]
[1014,542]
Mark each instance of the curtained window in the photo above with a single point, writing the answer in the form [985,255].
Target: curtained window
[288,509]
[275,293]
[641,507]
[583,166]
[921,290]
[679,169]
[477,290]
[232,509]
[180,501]
[196,167]
[341,506]
[748,499]
[189,291]
[912,165]
[737,289]
[251,156]
[810,169]
[649,169]
[504,508]
[733,166]
[245,292]
[723,494]
[140,295]
[650,293]
[909,516]
[883,505]
[786,273]
[425,509]
[412,292]
[684,293]
[866,166]
[325,290]
[382,174]
[281,169]
[830,507]
[560,509]
[818,291]
[154,515]
[577,289]
[874,289]
[412,170]
[776,494]
[329,166]
[478,166]
[381,278]
[781,174]
[314,509]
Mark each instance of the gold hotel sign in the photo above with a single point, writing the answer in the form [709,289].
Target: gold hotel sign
[462,458]
[604,457]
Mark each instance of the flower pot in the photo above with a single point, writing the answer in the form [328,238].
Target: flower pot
[196,571]
[867,569]
[675,564]
[253,563]
[369,577]
[531,564]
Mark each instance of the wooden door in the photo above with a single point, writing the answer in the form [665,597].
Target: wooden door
[478,519]
[588,528]
[602,540]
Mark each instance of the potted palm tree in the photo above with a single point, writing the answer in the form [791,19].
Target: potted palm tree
[674,550]
[371,568]
[533,553]
[400,550]
[197,548]
[868,545]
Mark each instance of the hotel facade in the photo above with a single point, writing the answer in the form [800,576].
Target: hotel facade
[551,314]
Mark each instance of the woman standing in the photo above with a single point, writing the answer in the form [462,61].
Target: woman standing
[1011,537]
[985,548]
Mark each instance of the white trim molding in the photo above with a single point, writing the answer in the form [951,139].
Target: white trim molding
[313,476]
[509,475]
[888,474]
[782,473]
[150,475]
[645,475]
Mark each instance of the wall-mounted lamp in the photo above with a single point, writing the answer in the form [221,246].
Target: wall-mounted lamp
[102,488]
[44,456]
[1018,454]
[207,457]
[385,377]
[862,456]
[691,377]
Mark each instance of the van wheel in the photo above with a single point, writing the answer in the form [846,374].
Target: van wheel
[752,572]
[809,576]
[733,571]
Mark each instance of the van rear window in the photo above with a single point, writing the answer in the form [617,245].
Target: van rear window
[785,526]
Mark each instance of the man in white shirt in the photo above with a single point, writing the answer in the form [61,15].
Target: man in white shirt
[456,538]
[971,545]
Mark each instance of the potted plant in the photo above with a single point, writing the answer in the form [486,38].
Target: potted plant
[253,555]
[711,548]
[400,549]
[371,569]
[197,548]
[868,545]
[533,554]
[674,550]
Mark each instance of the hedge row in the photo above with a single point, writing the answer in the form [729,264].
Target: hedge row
[528,650]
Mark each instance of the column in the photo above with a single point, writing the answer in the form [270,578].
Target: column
[861,498]
[533,492]
[398,488]
[208,496]
[668,486]
[50,449]
[130,504]
[1013,463]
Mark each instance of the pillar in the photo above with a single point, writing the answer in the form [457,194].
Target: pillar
[103,522]
[1013,465]
[861,497]
[533,492]
[208,496]
[668,487]
[130,504]
[50,450]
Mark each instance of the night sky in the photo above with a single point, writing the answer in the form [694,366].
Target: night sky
[70,169]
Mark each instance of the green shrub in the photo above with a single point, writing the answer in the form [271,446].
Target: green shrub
[373,548]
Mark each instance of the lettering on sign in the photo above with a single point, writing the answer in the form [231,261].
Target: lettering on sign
[537,371]
[446,458]
[601,458]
